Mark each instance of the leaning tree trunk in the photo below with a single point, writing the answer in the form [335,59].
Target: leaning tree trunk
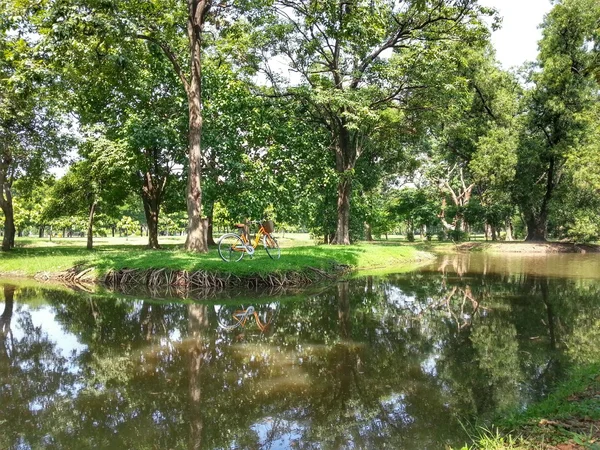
[90,229]
[196,238]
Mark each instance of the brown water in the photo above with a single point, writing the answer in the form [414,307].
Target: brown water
[393,362]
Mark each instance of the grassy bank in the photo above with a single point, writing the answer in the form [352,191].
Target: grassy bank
[568,419]
[35,257]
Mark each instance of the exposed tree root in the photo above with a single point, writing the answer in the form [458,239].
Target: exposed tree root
[185,282]
[205,280]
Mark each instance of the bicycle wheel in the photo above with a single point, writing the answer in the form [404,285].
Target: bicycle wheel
[230,317]
[231,247]
[271,246]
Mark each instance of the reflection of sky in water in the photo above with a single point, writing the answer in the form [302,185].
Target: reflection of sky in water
[429,365]
[43,317]
[277,433]
[395,407]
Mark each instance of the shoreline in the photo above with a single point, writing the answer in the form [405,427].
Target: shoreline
[124,266]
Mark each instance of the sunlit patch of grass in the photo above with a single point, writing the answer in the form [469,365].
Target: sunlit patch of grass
[487,439]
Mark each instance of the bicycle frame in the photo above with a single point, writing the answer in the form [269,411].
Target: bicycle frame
[230,318]
[241,316]
[259,234]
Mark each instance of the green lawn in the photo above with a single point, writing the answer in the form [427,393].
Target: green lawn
[38,255]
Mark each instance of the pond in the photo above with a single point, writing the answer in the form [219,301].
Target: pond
[392,361]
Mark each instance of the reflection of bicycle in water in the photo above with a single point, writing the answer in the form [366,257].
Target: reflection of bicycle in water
[234,316]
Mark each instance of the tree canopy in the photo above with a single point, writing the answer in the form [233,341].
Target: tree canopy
[319,114]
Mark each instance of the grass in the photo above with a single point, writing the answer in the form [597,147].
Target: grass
[33,256]
[568,419]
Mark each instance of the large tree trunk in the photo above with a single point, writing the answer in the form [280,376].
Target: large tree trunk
[368,232]
[537,227]
[509,230]
[90,229]
[537,221]
[152,191]
[346,154]
[342,234]
[151,211]
[6,204]
[6,200]
[210,206]
[196,237]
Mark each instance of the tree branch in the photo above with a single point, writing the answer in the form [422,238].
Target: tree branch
[169,53]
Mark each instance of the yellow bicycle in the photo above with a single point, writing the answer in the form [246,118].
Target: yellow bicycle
[233,246]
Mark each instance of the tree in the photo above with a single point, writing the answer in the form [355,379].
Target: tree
[417,208]
[91,184]
[356,61]
[557,126]
[31,131]
[30,200]
[114,25]
[472,136]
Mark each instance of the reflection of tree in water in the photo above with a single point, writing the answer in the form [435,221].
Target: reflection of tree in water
[33,377]
[198,356]
[6,344]
[364,363]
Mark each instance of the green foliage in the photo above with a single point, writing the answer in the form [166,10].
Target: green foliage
[360,98]
[127,225]
[415,207]
[557,126]
[93,180]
